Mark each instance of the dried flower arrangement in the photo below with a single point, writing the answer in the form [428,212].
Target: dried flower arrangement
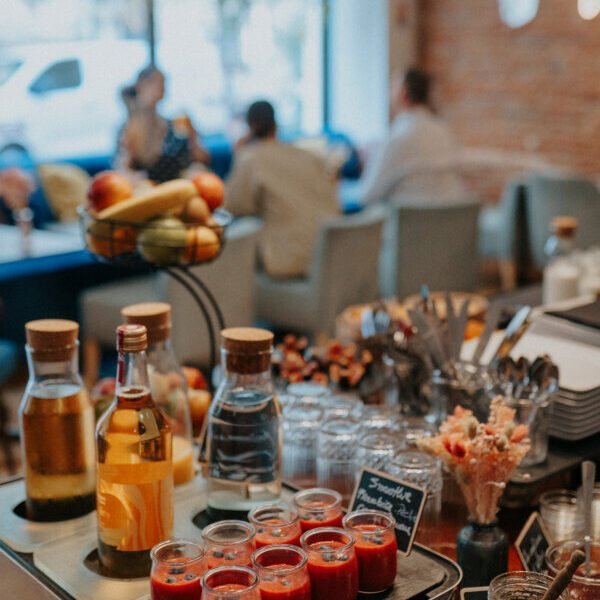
[480,456]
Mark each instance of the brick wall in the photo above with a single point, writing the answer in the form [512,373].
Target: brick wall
[533,90]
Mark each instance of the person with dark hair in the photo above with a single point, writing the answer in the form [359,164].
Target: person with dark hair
[289,188]
[417,162]
[149,143]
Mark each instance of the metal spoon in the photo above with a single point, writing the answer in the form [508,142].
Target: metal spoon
[588,476]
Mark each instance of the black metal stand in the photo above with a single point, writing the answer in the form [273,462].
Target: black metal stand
[206,303]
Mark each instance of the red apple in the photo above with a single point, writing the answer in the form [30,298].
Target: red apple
[194,378]
[210,188]
[108,188]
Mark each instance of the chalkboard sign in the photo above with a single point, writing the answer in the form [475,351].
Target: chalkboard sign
[379,491]
[474,593]
[532,543]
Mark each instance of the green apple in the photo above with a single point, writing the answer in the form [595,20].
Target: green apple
[163,240]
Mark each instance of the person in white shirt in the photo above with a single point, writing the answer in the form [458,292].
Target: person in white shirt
[289,188]
[417,162]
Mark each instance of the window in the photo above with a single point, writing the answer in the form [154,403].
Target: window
[220,55]
[60,76]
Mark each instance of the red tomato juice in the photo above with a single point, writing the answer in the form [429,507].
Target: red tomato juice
[179,590]
[377,560]
[308,524]
[276,591]
[334,579]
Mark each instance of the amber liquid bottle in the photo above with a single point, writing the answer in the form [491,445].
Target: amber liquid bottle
[56,420]
[135,468]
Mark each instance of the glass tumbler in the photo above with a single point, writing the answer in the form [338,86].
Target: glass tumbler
[177,567]
[282,573]
[275,524]
[535,413]
[583,586]
[377,417]
[332,563]
[340,406]
[423,470]
[230,583]
[301,421]
[376,549]
[376,450]
[229,543]
[562,514]
[336,455]
[520,585]
[318,507]
[595,509]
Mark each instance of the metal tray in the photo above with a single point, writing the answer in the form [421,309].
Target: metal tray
[60,563]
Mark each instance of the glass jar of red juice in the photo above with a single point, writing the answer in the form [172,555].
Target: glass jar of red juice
[332,563]
[177,568]
[229,543]
[282,572]
[230,583]
[275,524]
[376,549]
[318,507]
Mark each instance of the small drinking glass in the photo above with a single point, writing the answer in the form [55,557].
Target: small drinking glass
[318,507]
[336,455]
[378,417]
[536,414]
[229,543]
[562,514]
[425,471]
[375,547]
[230,583]
[583,586]
[177,568]
[307,391]
[416,428]
[275,524]
[595,510]
[520,585]
[340,406]
[376,450]
[332,563]
[282,572]
[301,421]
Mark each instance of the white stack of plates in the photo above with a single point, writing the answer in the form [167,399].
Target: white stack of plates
[576,415]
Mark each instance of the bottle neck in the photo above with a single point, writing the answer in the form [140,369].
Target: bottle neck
[258,381]
[63,371]
[161,354]
[133,382]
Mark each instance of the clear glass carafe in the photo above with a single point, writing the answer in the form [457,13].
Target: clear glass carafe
[56,420]
[167,382]
[244,433]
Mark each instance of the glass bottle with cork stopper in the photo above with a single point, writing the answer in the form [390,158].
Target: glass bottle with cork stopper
[167,383]
[135,468]
[562,273]
[244,427]
[56,420]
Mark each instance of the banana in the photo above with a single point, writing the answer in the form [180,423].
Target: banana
[150,203]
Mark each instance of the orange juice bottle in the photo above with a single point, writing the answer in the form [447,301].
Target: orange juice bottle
[167,383]
[135,467]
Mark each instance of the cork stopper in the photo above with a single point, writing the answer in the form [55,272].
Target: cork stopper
[52,340]
[564,226]
[248,349]
[131,338]
[155,316]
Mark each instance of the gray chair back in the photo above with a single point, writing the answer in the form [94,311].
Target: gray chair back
[436,245]
[549,197]
[344,268]
[231,281]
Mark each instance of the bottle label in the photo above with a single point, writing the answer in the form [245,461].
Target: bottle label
[135,504]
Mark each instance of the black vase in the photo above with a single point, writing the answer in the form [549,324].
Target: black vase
[482,552]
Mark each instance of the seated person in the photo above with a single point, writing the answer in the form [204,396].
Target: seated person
[150,143]
[289,188]
[417,162]
[16,186]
